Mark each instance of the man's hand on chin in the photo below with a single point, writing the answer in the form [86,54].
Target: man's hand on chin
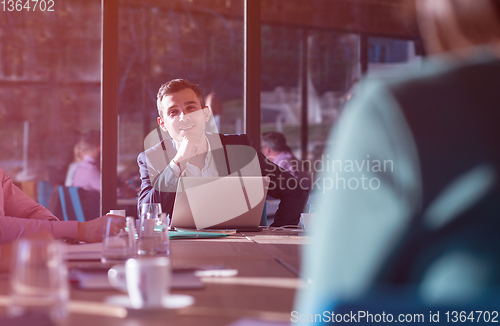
[189,148]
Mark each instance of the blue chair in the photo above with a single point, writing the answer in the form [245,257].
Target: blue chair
[263,219]
[44,193]
[71,204]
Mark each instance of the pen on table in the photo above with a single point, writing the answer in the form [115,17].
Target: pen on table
[288,266]
[291,269]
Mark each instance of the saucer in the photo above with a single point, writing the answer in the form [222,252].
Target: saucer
[172,301]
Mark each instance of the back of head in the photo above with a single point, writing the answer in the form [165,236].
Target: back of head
[276,141]
[454,25]
[174,86]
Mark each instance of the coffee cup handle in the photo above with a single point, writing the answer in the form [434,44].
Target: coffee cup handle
[116,277]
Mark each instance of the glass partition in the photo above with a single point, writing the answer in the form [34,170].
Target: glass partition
[50,68]
[50,88]
[387,56]
[332,69]
[164,41]
[328,46]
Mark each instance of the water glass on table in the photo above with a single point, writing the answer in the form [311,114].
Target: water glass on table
[118,242]
[146,235]
[153,236]
[152,208]
[39,279]
[162,236]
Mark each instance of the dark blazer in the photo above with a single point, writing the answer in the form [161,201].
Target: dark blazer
[231,153]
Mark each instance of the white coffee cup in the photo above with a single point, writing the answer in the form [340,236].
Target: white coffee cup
[305,220]
[119,212]
[147,280]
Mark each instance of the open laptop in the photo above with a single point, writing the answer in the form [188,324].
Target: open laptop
[220,202]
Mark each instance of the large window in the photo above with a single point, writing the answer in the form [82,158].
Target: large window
[50,73]
[49,88]
[165,41]
[332,69]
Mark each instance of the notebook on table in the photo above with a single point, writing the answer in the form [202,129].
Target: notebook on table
[231,202]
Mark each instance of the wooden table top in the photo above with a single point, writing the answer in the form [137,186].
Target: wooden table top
[268,266]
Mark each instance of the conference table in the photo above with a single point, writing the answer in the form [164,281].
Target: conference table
[268,265]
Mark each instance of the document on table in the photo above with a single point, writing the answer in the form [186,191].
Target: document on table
[258,322]
[97,279]
[85,251]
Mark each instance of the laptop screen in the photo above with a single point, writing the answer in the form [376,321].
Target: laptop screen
[219,202]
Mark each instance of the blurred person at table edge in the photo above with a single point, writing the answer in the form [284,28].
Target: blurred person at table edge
[429,225]
[87,174]
[21,216]
[275,148]
[77,158]
[192,151]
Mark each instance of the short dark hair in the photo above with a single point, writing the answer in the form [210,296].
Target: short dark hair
[174,86]
[275,141]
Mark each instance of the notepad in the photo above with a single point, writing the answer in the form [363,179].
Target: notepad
[96,278]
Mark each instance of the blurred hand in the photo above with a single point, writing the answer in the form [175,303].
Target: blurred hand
[92,231]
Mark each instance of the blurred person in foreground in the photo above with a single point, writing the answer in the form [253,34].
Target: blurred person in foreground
[192,151]
[275,148]
[21,216]
[424,225]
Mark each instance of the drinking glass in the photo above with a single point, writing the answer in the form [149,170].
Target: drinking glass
[162,236]
[39,279]
[146,241]
[152,208]
[118,243]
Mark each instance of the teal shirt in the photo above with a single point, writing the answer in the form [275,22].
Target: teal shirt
[369,190]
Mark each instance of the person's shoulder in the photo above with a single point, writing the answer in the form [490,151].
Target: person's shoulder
[3,176]
[157,148]
[232,139]
[286,156]
[383,87]
[436,71]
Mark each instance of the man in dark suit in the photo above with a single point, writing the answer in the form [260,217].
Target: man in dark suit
[191,151]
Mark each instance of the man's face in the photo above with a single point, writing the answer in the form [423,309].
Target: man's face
[183,116]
